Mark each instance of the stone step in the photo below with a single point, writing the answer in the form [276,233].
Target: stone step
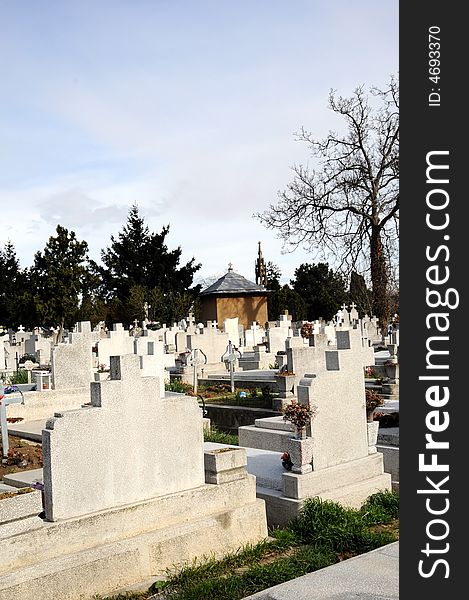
[263,439]
[276,423]
[20,513]
[28,430]
[7,488]
[264,464]
[322,481]
[23,478]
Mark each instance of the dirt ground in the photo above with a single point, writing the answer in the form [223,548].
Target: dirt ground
[23,455]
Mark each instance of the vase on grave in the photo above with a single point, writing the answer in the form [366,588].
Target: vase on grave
[285,385]
[301,454]
[392,371]
[301,433]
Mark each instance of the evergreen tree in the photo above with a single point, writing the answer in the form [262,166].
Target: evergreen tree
[139,268]
[360,294]
[16,301]
[60,276]
[273,276]
[322,290]
[9,274]
[286,299]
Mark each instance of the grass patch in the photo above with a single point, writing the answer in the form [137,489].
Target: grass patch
[126,596]
[220,393]
[323,534]
[219,437]
[327,525]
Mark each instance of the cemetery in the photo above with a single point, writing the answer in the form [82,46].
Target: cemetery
[116,481]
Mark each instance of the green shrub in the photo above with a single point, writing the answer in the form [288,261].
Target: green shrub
[21,376]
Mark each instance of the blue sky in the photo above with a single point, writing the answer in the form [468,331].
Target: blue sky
[187,109]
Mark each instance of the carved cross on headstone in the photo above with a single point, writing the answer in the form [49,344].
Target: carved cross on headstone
[230,356]
[196,358]
[135,330]
[353,313]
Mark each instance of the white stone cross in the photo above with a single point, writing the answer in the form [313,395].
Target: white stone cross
[230,356]
[196,358]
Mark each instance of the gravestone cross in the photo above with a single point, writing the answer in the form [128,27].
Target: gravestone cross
[5,400]
[354,313]
[196,358]
[231,354]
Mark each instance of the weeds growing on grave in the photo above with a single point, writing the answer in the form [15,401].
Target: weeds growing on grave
[323,534]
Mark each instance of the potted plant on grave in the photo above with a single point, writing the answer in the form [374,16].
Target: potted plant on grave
[391,368]
[372,401]
[300,415]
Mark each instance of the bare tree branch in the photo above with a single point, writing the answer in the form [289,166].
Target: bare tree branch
[347,206]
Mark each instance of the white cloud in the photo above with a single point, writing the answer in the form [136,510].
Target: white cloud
[189,114]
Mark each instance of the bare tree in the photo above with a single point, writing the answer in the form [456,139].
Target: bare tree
[348,206]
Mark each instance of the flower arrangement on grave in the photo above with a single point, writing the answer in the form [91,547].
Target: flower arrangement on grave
[300,415]
[102,368]
[372,401]
[306,330]
[10,389]
[284,372]
[286,461]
